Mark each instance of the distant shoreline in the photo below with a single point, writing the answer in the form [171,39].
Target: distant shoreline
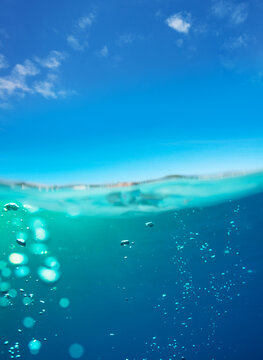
[83,186]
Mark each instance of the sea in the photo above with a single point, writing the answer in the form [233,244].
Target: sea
[166,269]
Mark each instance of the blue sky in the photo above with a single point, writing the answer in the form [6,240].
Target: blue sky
[99,91]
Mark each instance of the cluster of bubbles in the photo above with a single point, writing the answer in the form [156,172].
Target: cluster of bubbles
[31,241]
[223,281]
[220,287]
[13,350]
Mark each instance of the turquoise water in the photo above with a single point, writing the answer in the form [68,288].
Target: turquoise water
[186,283]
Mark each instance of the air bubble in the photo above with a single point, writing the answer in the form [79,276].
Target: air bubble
[4,302]
[149,224]
[40,234]
[27,301]
[52,263]
[11,206]
[22,271]
[4,287]
[18,259]
[28,322]
[6,272]
[48,275]
[38,249]
[125,242]
[21,242]
[34,346]
[64,302]
[76,351]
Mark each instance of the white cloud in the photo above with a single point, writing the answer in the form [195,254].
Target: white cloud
[179,23]
[85,21]
[45,88]
[10,84]
[104,51]
[3,62]
[15,83]
[28,69]
[75,43]
[27,79]
[53,60]
[77,40]
[236,13]
[48,88]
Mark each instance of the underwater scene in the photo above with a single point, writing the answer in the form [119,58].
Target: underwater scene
[164,269]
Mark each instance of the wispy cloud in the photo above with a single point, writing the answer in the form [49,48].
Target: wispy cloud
[77,40]
[236,42]
[129,38]
[236,13]
[46,87]
[27,78]
[180,42]
[240,13]
[75,43]
[104,51]
[15,83]
[86,21]
[11,85]
[26,69]
[126,39]
[179,22]
[3,62]
[53,60]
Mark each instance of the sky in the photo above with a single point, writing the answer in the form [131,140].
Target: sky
[120,90]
